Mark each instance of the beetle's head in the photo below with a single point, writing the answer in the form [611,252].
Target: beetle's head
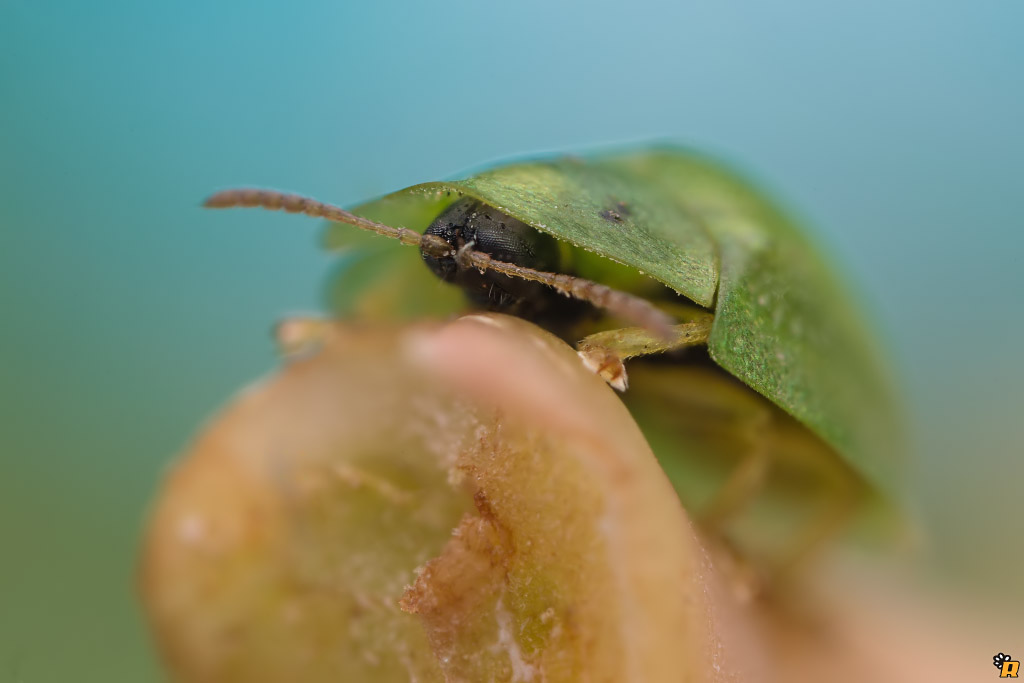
[532,287]
[471,224]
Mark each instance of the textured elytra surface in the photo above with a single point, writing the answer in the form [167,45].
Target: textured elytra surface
[784,323]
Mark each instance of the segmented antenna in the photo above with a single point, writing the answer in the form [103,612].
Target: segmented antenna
[618,303]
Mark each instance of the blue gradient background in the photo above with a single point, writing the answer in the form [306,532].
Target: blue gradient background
[129,314]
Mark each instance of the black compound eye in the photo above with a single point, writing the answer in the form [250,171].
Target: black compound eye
[451,227]
[510,240]
[471,222]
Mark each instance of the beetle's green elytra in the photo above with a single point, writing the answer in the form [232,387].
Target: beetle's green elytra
[680,248]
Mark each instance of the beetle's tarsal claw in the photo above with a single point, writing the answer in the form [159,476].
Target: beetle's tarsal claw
[300,336]
[607,365]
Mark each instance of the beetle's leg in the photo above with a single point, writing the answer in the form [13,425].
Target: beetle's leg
[605,352]
[701,415]
[744,482]
[302,334]
[845,493]
[751,423]
[752,477]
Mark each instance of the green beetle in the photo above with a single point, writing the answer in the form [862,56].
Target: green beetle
[751,373]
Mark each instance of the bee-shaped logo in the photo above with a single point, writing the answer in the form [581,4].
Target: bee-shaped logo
[1008,667]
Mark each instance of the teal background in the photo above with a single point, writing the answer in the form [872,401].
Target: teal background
[129,314]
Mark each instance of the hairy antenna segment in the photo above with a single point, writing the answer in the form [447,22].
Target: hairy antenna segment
[618,303]
[293,203]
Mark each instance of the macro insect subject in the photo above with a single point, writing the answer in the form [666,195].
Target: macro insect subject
[742,344]
[504,265]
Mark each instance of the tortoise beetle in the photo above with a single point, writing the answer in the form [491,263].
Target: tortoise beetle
[753,374]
